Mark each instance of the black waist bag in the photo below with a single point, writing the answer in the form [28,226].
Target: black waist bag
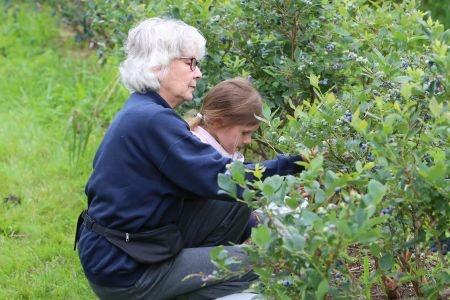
[147,247]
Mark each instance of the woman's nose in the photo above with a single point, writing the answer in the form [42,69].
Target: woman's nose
[198,73]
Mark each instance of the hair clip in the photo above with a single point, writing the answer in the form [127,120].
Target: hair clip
[199,115]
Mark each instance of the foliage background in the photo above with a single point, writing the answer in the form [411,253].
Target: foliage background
[366,80]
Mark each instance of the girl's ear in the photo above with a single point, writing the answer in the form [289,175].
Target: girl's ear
[218,123]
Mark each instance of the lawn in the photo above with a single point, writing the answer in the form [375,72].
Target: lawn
[45,78]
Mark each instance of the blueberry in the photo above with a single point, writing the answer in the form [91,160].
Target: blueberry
[363,146]
[428,159]
[405,64]
[337,190]
[352,55]
[287,283]
[387,211]
[430,63]
[348,116]
[324,81]
[336,66]
[370,156]
[438,88]
[344,169]
[329,47]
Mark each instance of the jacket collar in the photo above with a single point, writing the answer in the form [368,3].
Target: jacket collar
[151,96]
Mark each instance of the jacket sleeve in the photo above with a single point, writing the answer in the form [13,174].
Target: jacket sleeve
[181,157]
[194,165]
[281,165]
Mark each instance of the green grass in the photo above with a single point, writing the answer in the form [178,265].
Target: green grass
[45,76]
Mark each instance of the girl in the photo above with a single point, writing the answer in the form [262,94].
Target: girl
[227,118]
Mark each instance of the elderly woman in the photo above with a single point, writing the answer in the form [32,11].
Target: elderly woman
[151,217]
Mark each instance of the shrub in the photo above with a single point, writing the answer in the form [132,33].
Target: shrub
[380,198]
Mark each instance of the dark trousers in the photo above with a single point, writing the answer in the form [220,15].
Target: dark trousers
[213,222]
[204,224]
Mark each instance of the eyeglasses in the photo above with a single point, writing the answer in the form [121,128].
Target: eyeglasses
[193,62]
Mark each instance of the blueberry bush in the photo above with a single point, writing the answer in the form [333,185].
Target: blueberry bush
[367,86]
[360,89]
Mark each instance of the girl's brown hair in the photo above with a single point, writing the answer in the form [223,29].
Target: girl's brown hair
[233,101]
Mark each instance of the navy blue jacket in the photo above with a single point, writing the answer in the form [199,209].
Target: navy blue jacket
[147,163]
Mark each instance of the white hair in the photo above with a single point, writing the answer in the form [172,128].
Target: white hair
[150,47]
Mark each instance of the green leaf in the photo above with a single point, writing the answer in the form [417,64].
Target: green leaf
[330,98]
[369,166]
[375,249]
[341,31]
[435,108]
[375,192]
[405,90]
[292,203]
[261,236]
[319,196]
[309,217]
[388,123]
[322,289]
[248,195]
[434,173]
[237,170]
[316,164]
[359,125]
[271,185]
[293,241]
[314,80]
[268,190]
[218,256]
[358,166]
[266,112]
[264,273]
[227,185]
[386,262]
[219,253]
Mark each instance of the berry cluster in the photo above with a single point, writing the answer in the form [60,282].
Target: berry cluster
[428,160]
[363,146]
[405,63]
[445,245]
[348,116]
[337,66]
[324,81]
[387,211]
[329,47]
